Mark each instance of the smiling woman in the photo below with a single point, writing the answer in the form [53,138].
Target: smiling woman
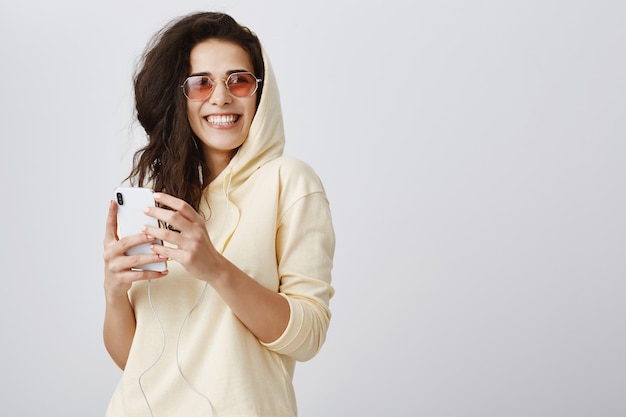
[250,241]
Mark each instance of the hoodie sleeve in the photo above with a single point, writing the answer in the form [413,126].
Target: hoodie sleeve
[305,245]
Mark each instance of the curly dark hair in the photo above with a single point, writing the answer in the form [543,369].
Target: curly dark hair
[172,158]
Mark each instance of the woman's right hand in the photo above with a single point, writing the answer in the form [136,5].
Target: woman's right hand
[118,267]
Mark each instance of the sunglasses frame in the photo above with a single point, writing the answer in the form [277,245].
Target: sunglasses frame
[225,80]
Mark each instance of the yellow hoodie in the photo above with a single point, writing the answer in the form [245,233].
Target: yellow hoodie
[269,215]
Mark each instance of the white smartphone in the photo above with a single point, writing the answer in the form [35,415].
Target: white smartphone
[131,203]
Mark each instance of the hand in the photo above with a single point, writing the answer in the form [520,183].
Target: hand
[193,247]
[118,267]
[263,311]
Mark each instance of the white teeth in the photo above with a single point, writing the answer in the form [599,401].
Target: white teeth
[222,119]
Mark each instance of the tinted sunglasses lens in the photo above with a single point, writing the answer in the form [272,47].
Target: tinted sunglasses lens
[198,87]
[241,84]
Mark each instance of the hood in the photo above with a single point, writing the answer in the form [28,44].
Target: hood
[265,142]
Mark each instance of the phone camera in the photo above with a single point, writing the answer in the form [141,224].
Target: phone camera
[120,199]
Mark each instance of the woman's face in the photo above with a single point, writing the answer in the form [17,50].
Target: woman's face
[221,121]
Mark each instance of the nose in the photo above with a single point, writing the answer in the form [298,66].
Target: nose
[220,94]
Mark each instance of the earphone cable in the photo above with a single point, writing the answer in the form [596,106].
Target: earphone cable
[180,330]
[178,363]
[145,397]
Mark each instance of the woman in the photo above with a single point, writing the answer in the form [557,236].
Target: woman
[249,238]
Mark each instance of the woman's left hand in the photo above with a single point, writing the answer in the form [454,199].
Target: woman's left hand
[263,311]
[194,249]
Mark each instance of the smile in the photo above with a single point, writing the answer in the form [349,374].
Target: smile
[222,119]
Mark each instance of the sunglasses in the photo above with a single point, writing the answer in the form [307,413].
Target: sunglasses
[239,84]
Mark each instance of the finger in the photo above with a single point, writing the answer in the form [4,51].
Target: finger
[172,218]
[115,248]
[127,277]
[131,241]
[164,234]
[110,233]
[143,275]
[165,253]
[125,263]
[176,204]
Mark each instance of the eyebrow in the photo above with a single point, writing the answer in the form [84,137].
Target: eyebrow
[229,72]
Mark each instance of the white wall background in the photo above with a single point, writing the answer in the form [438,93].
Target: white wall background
[474,154]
